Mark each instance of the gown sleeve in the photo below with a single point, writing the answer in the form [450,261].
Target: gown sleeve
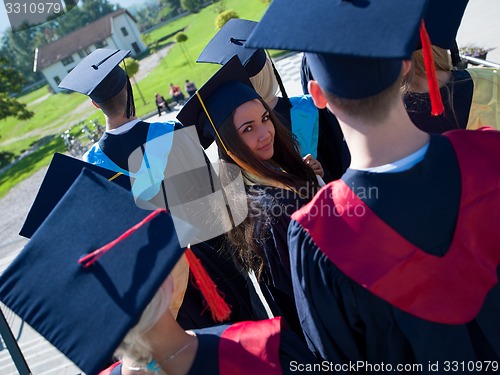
[295,357]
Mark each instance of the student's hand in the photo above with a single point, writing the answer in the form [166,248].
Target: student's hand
[314,164]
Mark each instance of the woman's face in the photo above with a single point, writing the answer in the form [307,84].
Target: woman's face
[255,128]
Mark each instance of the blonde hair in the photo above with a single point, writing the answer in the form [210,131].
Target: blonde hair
[134,346]
[442,61]
[265,82]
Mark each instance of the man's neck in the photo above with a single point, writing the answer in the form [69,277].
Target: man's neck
[375,144]
[116,122]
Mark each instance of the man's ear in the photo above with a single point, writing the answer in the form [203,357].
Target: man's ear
[95,104]
[317,94]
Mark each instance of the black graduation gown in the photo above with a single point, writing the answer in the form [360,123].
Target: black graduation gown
[344,321]
[230,282]
[457,99]
[279,351]
[276,284]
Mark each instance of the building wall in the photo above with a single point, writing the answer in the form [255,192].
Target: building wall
[60,70]
[117,40]
[124,22]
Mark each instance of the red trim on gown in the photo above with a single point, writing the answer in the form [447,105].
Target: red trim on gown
[449,289]
[251,348]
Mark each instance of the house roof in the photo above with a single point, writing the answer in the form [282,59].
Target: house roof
[77,40]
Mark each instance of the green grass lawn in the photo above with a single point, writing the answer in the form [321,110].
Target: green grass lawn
[58,111]
[34,95]
[178,66]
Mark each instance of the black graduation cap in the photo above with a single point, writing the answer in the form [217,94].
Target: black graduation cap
[225,91]
[86,312]
[229,41]
[98,75]
[354,48]
[442,20]
[61,174]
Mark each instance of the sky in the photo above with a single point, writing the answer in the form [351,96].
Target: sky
[4,19]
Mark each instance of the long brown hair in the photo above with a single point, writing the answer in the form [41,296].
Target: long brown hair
[286,167]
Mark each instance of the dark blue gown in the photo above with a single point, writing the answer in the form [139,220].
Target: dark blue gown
[276,284]
[344,321]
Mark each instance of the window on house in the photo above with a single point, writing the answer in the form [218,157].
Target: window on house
[136,48]
[101,44]
[124,31]
[82,54]
[67,60]
[57,80]
[87,50]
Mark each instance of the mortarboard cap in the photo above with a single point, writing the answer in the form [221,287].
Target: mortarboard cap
[98,75]
[442,20]
[229,41]
[354,48]
[225,91]
[62,172]
[86,312]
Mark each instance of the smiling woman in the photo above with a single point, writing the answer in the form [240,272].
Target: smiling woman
[255,128]
[249,135]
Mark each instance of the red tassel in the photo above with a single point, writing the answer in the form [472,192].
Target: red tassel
[437,107]
[218,307]
[89,259]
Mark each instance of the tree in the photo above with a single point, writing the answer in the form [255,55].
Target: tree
[131,66]
[19,47]
[192,6]
[223,17]
[11,82]
[172,3]
[180,39]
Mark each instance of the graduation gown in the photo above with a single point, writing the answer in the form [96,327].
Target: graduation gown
[470,101]
[276,283]
[263,347]
[406,272]
[112,152]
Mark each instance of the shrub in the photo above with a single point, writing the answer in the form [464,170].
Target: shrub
[474,50]
[225,16]
[180,37]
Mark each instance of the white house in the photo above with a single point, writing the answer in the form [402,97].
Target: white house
[116,30]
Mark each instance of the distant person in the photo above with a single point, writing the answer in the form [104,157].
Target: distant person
[190,87]
[177,94]
[161,104]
